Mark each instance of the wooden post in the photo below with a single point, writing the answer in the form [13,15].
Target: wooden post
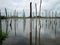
[30,23]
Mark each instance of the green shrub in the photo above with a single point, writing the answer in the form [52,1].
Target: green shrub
[3,36]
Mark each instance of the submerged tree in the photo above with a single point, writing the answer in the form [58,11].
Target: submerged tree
[6,21]
[39,19]
[30,23]
[36,25]
[24,21]
[15,21]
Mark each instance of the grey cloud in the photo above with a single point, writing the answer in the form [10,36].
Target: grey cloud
[52,4]
[12,4]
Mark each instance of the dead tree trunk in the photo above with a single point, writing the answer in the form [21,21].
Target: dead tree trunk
[36,25]
[30,23]
[39,19]
[6,21]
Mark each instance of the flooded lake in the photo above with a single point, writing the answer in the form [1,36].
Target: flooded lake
[19,31]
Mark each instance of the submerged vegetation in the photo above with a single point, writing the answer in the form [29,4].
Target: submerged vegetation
[3,36]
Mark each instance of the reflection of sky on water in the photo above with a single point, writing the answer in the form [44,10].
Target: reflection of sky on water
[45,30]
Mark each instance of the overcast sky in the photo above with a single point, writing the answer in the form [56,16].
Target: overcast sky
[24,4]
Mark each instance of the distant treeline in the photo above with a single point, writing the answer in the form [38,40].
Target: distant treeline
[2,17]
